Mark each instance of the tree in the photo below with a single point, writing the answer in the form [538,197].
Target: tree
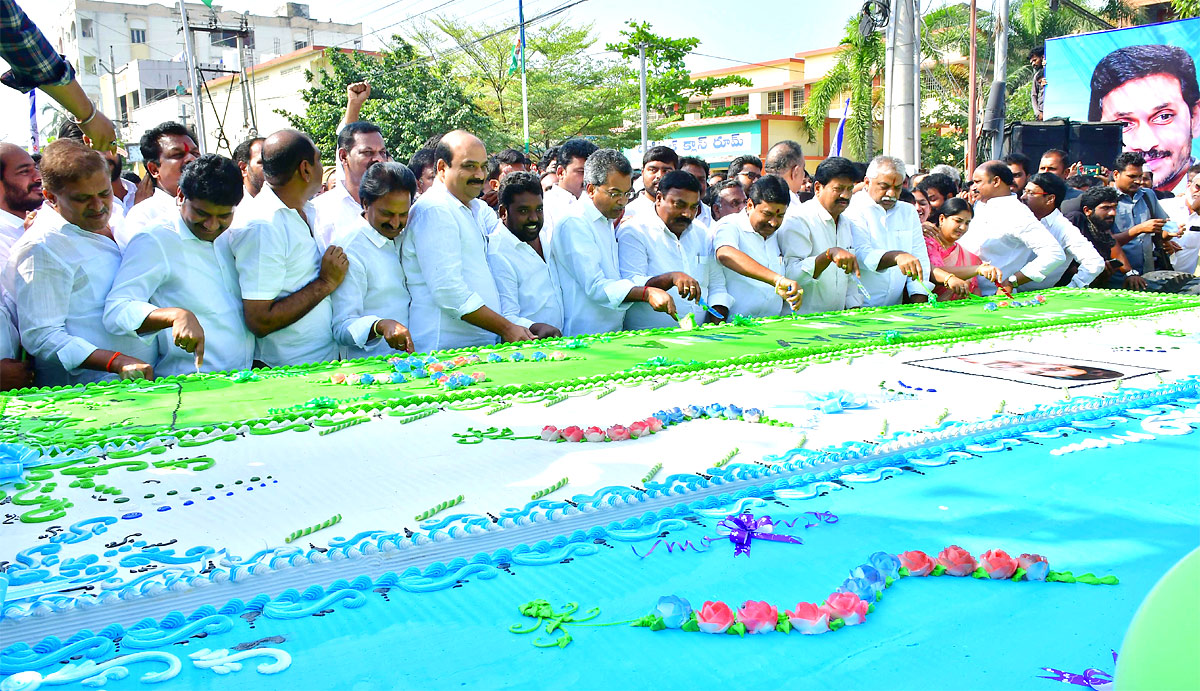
[1184,9]
[858,68]
[411,99]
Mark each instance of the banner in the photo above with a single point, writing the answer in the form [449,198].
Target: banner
[1144,77]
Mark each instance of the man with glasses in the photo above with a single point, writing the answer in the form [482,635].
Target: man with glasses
[887,238]
[359,145]
[1044,194]
[745,169]
[584,253]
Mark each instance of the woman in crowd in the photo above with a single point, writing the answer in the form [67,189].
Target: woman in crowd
[954,269]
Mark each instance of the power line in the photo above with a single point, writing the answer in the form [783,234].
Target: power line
[396,23]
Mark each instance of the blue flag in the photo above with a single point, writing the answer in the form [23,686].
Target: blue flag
[841,131]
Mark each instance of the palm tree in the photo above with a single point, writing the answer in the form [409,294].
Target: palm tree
[859,66]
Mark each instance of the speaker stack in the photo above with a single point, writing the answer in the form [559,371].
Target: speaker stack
[1091,143]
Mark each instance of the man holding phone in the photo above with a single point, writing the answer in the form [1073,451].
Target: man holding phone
[1184,213]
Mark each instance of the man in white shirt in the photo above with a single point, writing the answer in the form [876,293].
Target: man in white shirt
[816,241]
[285,280]
[60,272]
[888,241]
[1184,210]
[175,285]
[723,199]
[666,250]
[595,296]
[527,283]
[248,157]
[501,164]
[1006,234]
[572,155]
[749,254]
[444,254]
[699,169]
[745,169]
[1044,194]
[20,193]
[656,162]
[166,149]
[370,308]
[360,144]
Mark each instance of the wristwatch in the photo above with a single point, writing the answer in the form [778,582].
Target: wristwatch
[1133,272]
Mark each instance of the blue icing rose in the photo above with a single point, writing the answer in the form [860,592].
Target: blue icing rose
[674,610]
[495,358]
[517,357]
[366,379]
[887,564]
[538,356]
[714,410]
[870,575]
[859,587]
[690,412]
[420,373]
[733,412]
[402,366]
[751,414]
[398,378]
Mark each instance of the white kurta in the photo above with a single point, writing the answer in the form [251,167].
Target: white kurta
[809,230]
[158,209]
[168,266]
[1076,247]
[878,231]
[337,213]
[1185,259]
[374,289]
[59,276]
[11,229]
[647,248]
[585,258]
[276,255]
[528,285]
[1005,233]
[444,254]
[750,297]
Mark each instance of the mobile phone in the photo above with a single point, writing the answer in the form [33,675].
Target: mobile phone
[1114,263]
[1091,170]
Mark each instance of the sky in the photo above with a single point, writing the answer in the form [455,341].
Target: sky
[723,29]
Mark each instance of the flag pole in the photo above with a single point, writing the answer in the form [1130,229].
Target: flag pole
[524,90]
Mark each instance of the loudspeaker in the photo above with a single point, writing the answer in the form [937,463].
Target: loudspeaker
[1035,138]
[1095,143]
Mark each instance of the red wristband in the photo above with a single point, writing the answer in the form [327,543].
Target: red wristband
[108,367]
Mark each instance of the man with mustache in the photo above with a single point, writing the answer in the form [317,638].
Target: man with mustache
[444,255]
[60,272]
[657,162]
[248,157]
[1044,193]
[166,149]
[1006,234]
[749,254]
[360,144]
[1094,218]
[528,286]
[724,198]
[1140,220]
[816,239]
[666,250]
[888,241]
[20,193]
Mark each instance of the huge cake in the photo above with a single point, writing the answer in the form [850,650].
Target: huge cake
[976,493]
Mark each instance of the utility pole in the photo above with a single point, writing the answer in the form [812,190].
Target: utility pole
[198,113]
[249,121]
[994,118]
[524,86]
[645,121]
[900,123]
[972,114]
[916,159]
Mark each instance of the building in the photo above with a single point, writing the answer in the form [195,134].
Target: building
[122,51]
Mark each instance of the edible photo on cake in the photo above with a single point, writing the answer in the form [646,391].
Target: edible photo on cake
[1053,371]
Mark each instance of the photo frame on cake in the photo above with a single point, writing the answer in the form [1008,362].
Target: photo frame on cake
[1035,369]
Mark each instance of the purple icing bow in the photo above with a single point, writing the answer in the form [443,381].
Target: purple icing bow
[744,527]
[1092,678]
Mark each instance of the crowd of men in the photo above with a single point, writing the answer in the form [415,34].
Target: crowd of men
[220,264]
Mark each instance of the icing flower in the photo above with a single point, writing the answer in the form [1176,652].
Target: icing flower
[518,357]
[558,355]
[714,410]
[401,365]
[690,412]
[639,429]
[751,414]
[550,433]
[871,575]
[459,361]
[436,367]
[917,562]
[478,376]
[593,434]
[958,561]
[732,413]
[13,460]
[366,379]
[654,423]
[714,617]
[808,618]
[618,433]
[398,378]
[887,564]
[848,607]
[538,356]
[859,587]
[419,372]
[1035,565]
[353,378]
[495,358]
[759,617]
[674,610]
[572,433]
[998,564]
[337,378]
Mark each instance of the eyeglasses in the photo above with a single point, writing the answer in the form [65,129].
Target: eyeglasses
[618,194]
[751,175]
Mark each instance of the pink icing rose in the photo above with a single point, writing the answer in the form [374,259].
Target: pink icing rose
[353,378]
[998,564]
[808,618]
[460,361]
[1035,565]
[558,355]
[593,434]
[759,617]
[655,424]
[846,606]
[958,561]
[714,617]
[550,433]
[618,433]
[337,378]
[479,376]
[639,429]
[571,433]
[917,562]
[436,367]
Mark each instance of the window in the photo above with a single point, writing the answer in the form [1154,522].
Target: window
[299,41]
[228,39]
[740,101]
[137,35]
[775,102]
[85,27]
[89,64]
[276,45]
[798,101]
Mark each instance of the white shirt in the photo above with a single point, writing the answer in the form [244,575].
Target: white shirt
[809,230]
[528,284]
[1185,259]
[160,208]
[646,248]
[11,229]
[584,256]
[750,297]
[126,201]
[556,205]
[374,289]
[168,266]
[337,213]
[1076,247]
[59,275]
[644,204]
[878,231]
[1006,234]
[276,255]
[444,254]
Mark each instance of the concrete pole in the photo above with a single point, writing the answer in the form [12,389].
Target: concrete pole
[645,117]
[972,108]
[900,125]
[915,161]
[197,106]
[999,78]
